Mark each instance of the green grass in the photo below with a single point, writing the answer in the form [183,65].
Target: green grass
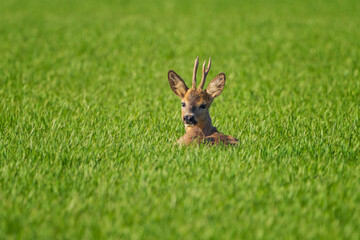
[88,121]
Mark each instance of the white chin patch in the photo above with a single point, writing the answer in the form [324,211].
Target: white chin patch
[189,125]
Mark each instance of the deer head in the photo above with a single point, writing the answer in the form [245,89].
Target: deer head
[195,102]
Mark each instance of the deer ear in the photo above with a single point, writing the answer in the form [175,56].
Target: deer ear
[216,86]
[177,84]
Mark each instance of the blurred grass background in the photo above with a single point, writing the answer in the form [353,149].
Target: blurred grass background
[88,122]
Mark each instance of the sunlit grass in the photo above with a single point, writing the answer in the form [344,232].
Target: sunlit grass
[88,121]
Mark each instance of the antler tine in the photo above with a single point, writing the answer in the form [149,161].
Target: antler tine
[194,73]
[204,73]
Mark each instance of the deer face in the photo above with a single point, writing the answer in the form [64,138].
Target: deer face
[195,107]
[195,102]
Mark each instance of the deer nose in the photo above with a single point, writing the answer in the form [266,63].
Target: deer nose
[189,119]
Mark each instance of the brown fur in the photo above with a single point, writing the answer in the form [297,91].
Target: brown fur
[194,135]
[219,138]
[194,100]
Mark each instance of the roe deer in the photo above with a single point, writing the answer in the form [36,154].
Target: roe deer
[195,107]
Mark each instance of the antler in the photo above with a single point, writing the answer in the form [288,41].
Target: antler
[204,73]
[194,73]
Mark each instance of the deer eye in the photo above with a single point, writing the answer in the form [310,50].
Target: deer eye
[202,106]
[183,104]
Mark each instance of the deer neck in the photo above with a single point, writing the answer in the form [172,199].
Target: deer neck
[206,126]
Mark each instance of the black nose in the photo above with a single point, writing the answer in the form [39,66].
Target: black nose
[189,119]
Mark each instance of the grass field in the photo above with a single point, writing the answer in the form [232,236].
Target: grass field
[88,121]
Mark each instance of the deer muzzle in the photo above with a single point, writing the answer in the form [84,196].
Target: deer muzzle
[189,119]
